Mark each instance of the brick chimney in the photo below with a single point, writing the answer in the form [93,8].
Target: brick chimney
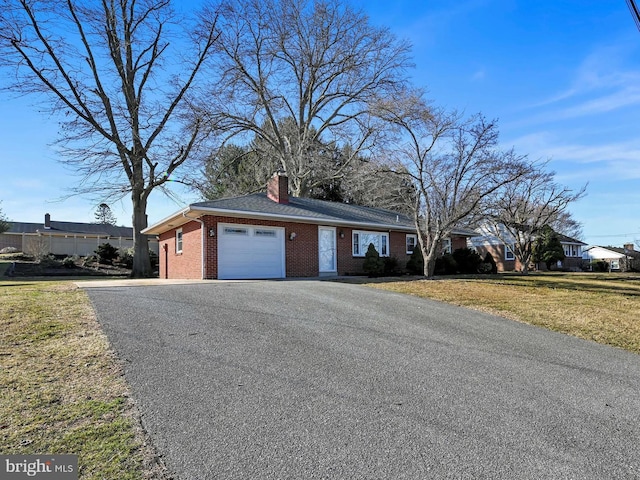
[628,247]
[47,221]
[278,188]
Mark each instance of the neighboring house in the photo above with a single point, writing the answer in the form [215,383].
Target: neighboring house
[573,254]
[67,238]
[617,259]
[506,261]
[272,235]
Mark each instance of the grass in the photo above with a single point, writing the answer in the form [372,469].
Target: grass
[604,308]
[62,389]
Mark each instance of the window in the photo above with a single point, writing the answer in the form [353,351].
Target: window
[361,241]
[259,232]
[236,231]
[446,245]
[179,240]
[508,252]
[412,242]
[572,250]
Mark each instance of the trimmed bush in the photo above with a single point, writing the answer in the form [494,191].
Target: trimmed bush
[49,261]
[415,264]
[89,260]
[125,257]
[484,268]
[446,265]
[599,266]
[391,266]
[373,265]
[468,260]
[68,262]
[107,253]
[488,258]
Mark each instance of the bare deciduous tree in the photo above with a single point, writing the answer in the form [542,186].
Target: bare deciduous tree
[117,74]
[520,210]
[454,164]
[376,184]
[319,64]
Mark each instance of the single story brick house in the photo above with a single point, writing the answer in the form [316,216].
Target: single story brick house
[506,261]
[273,235]
[67,238]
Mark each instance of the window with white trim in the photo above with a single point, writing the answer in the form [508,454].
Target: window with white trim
[362,239]
[179,240]
[412,242]
[508,252]
[572,250]
[446,245]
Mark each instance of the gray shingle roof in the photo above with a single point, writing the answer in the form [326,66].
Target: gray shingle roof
[302,210]
[309,209]
[72,228]
[565,239]
[624,251]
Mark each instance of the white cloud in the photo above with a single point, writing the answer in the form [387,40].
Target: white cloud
[546,144]
[605,81]
[579,162]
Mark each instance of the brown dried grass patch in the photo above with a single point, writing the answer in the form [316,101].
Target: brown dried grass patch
[63,390]
[595,307]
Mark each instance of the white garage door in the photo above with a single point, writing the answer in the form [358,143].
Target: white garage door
[247,251]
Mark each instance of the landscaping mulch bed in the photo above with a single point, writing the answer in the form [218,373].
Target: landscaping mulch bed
[23,269]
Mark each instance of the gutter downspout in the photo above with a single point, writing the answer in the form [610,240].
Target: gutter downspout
[202,240]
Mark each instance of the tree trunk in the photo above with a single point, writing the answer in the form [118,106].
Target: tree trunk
[141,261]
[429,265]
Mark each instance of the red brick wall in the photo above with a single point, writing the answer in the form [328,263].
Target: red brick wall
[187,263]
[350,265]
[458,242]
[301,253]
[498,254]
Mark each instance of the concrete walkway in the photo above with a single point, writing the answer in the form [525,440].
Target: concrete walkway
[141,282]
[145,282]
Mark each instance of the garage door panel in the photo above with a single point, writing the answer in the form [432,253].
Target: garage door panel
[246,251]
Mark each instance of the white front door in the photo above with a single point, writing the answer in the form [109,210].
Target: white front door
[327,249]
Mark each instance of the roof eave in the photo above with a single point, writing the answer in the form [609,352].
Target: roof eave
[177,219]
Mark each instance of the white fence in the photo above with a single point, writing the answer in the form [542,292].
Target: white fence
[69,244]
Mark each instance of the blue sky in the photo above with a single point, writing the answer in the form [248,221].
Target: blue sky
[562,78]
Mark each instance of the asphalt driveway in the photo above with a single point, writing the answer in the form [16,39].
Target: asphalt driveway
[310,379]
